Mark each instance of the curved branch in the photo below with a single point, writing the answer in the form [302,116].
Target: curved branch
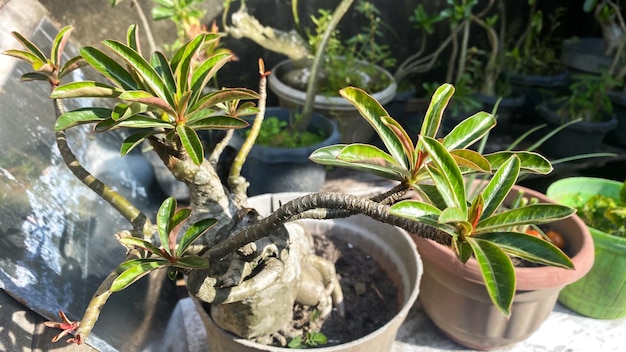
[331,201]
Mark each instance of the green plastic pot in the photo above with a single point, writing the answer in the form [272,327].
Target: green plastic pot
[601,293]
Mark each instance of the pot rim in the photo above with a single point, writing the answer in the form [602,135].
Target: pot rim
[321,101]
[528,278]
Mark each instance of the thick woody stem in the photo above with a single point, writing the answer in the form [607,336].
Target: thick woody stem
[331,201]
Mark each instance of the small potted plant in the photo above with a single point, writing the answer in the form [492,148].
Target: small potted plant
[322,55]
[251,269]
[588,101]
[601,203]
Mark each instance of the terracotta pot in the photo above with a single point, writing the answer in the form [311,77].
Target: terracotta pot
[455,298]
[390,246]
[352,126]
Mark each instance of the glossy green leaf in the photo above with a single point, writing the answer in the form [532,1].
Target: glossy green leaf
[34,76]
[132,122]
[72,64]
[218,123]
[191,142]
[539,213]
[147,98]
[134,140]
[529,248]
[430,193]
[224,95]
[192,262]
[161,13]
[142,68]
[108,68]
[453,215]
[529,161]
[500,185]
[136,272]
[405,140]
[471,160]
[434,114]
[22,55]
[206,70]
[135,242]
[123,111]
[178,218]
[421,212]
[469,131]
[183,66]
[329,156]
[162,67]
[132,38]
[30,47]
[81,117]
[451,185]
[194,231]
[58,45]
[165,213]
[84,89]
[373,112]
[497,271]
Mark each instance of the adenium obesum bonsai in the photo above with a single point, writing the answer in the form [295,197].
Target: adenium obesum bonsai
[162,102]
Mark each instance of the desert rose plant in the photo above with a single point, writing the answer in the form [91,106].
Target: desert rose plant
[217,240]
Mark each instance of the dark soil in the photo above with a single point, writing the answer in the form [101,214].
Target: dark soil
[370,297]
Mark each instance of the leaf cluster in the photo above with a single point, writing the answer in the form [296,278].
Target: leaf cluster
[159,97]
[437,168]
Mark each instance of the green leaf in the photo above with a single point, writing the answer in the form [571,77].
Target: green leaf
[72,64]
[134,140]
[330,156]
[180,216]
[109,68]
[132,38]
[207,70]
[499,186]
[471,160]
[403,137]
[529,161]
[183,64]
[81,117]
[142,244]
[30,47]
[162,67]
[123,111]
[142,68]
[136,272]
[373,112]
[132,122]
[194,231]
[497,271]
[147,98]
[529,248]
[453,215]
[539,213]
[191,143]
[34,76]
[192,262]
[218,123]
[58,45]
[469,131]
[85,89]
[23,55]
[451,185]
[421,212]
[223,95]
[430,193]
[165,213]
[434,114]
[160,13]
